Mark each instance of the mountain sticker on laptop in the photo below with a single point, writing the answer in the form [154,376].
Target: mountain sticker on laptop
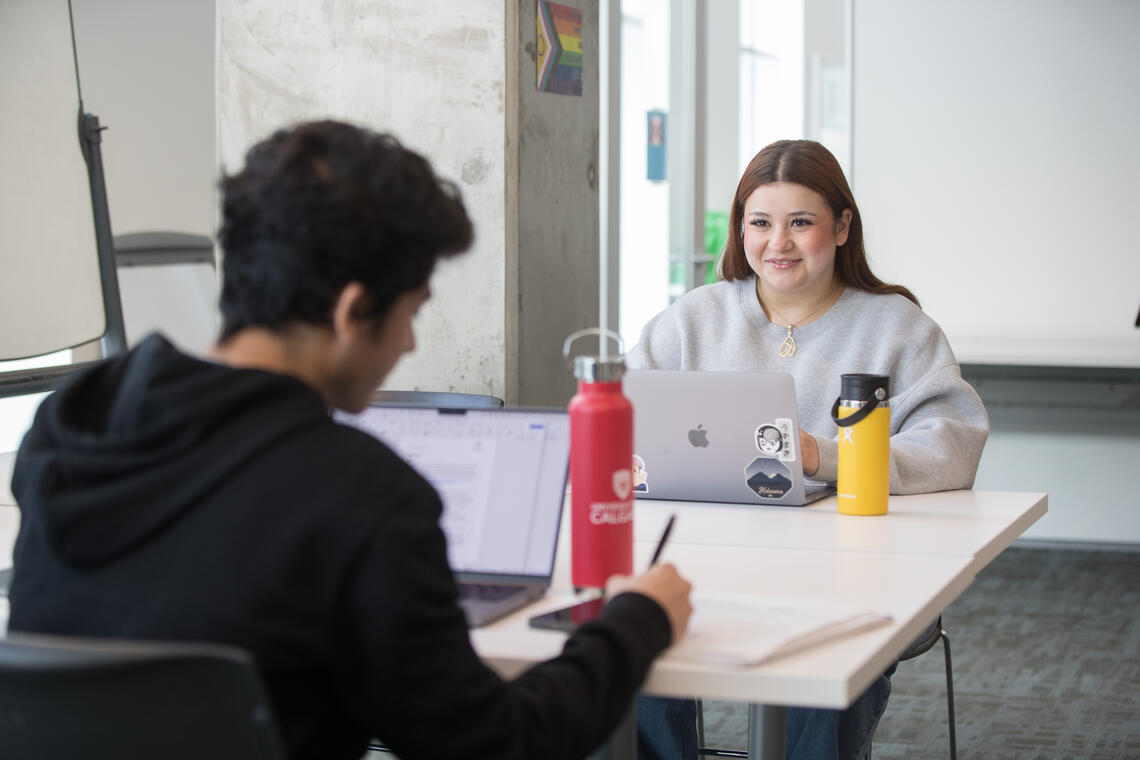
[768,478]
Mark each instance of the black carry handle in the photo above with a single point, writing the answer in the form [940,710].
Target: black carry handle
[871,405]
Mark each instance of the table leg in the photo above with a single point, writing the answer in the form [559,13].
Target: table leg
[622,744]
[766,732]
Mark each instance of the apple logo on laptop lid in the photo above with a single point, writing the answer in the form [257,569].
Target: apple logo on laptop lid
[699,437]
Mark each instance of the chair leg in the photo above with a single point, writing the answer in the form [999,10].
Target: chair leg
[949,694]
[702,750]
[700,724]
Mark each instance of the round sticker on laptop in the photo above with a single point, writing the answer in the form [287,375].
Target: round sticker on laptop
[776,439]
[768,478]
[769,440]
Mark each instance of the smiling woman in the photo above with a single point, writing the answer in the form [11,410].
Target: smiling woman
[789,240]
[798,296]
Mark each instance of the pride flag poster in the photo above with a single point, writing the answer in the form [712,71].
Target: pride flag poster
[559,44]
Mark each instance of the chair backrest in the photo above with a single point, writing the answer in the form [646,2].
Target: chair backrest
[168,283]
[437,399]
[925,641]
[120,700]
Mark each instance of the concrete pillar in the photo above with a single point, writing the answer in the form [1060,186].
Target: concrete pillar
[456,82]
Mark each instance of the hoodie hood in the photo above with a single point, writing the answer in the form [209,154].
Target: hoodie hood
[125,449]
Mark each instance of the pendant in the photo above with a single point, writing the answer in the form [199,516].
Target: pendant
[788,347]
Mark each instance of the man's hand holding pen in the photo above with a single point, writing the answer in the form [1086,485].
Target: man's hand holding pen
[664,585]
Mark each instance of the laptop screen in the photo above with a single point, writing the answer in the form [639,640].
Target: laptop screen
[501,474]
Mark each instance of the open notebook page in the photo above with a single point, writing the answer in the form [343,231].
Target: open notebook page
[743,630]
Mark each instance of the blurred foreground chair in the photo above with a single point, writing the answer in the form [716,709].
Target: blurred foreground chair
[437,399]
[64,698]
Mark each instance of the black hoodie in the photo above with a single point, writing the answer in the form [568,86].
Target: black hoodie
[165,497]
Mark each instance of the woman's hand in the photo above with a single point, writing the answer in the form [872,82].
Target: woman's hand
[809,453]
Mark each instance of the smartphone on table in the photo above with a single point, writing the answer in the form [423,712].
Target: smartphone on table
[569,618]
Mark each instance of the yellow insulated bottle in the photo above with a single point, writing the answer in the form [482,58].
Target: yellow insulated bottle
[863,415]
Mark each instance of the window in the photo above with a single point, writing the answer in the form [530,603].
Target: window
[761,70]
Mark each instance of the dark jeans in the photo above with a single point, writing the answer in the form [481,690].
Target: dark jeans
[667,728]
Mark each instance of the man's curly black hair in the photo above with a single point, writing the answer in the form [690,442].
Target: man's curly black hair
[323,204]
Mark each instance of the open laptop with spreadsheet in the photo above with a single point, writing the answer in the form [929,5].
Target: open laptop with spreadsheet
[718,436]
[501,474]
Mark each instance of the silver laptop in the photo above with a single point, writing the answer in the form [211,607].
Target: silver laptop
[718,436]
[501,474]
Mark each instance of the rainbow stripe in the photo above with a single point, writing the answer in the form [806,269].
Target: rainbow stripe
[559,64]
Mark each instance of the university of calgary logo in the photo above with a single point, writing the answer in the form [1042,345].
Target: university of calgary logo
[623,484]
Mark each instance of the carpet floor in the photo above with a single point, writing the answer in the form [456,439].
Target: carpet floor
[1046,659]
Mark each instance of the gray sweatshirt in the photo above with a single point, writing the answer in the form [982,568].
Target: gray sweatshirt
[938,423]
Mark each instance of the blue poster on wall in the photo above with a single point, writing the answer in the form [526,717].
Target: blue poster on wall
[655,158]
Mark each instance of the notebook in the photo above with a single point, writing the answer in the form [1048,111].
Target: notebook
[738,630]
[501,474]
[718,436]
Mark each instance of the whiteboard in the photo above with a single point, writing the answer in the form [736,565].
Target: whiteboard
[50,289]
[996,149]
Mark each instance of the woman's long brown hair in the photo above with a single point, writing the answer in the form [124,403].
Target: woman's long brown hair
[807,163]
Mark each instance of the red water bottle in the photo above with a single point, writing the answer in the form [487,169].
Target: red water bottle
[601,468]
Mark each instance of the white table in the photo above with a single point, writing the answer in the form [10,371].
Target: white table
[911,563]
[980,524]
[912,589]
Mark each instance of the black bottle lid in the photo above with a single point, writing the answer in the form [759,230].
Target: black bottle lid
[858,387]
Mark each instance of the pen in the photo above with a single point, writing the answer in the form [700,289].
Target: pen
[662,540]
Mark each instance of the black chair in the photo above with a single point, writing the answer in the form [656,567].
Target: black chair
[62,698]
[437,399]
[928,640]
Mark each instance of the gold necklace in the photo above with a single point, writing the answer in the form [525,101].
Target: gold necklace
[788,347]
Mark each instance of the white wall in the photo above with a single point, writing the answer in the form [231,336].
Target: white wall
[1089,474]
[147,72]
[995,165]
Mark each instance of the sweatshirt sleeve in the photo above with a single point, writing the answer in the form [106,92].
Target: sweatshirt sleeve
[659,346]
[939,427]
[828,469]
[423,690]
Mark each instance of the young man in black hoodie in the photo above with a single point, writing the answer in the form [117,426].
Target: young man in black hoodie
[165,497]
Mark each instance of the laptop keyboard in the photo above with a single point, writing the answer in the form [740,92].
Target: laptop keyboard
[486,591]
